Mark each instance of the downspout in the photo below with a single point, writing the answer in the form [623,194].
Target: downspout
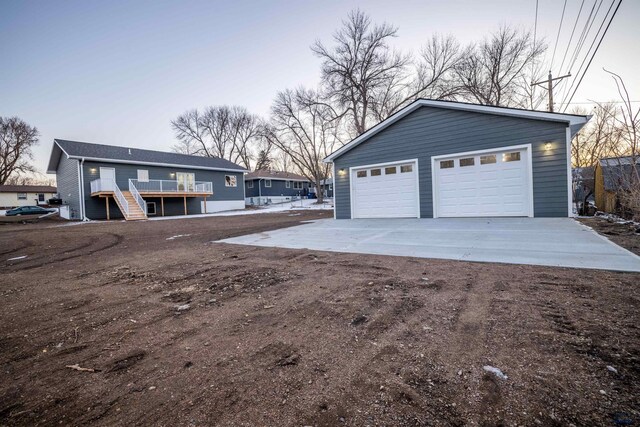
[82,205]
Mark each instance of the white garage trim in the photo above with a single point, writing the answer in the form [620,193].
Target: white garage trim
[569,175]
[375,165]
[434,175]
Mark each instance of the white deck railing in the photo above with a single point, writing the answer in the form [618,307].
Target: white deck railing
[169,186]
[101,184]
[137,197]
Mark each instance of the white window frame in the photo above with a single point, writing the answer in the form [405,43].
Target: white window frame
[143,175]
[288,184]
[230,181]
[267,183]
[436,159]
[43,198]
[298,185]
[354,169]
[22,196]
[250,184]
[155,211]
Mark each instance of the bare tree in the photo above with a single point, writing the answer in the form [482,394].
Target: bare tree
[489,72]
[17,139]
[366,81]
[231,133]
[306,130]
[264,160]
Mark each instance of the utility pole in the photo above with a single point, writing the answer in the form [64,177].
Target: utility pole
[550,87]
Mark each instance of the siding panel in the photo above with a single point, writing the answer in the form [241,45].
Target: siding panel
[67,184]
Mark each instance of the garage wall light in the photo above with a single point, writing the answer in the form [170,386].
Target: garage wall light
[548,146]
[93,170]
[342,171]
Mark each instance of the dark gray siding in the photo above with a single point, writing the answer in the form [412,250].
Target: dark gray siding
[95,206]
[67,184]
[278,188]
[430,131]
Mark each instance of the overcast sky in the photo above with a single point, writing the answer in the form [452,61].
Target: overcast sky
[117,72]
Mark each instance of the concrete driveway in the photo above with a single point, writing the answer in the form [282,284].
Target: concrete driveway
[558,242]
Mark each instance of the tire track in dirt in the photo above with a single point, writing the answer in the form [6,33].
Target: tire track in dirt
[115,240]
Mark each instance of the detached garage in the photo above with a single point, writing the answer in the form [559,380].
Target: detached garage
[450,159]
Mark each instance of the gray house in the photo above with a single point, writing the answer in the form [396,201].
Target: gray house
[266,186]
[451,159]
[98,181]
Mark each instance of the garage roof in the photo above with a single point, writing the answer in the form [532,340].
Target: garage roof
[115,154]
[574,121]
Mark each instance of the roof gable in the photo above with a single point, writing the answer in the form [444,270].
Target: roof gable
[117,154]
[575,122]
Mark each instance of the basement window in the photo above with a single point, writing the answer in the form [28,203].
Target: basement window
[151,208]
[446,164]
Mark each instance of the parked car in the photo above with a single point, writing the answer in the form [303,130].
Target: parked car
[29,210]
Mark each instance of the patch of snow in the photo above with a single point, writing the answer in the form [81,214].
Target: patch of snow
[2,212]
[497,372]
[177,236]
[612,369]
[305,204]
[17,258]
[183,307]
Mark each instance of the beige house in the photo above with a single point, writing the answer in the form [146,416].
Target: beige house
[12,196]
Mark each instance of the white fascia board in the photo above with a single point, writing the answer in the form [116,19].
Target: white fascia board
[52,149]
[278,179]
[486,109]
[173,165]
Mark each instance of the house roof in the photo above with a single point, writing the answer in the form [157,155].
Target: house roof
[575,122]
[617,172]
[267,174]
[117,154]
[27,189]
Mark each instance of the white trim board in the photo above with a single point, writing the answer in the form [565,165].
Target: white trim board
[434,178]
[570,119]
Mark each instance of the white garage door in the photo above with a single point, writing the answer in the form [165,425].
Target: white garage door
[486,184]
[387,191]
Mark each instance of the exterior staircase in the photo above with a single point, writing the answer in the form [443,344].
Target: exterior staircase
[135,212]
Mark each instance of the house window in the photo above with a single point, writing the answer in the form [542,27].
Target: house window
[230,181]
[376,172]
[151,208]
[406,168]
[267,183]
[390,170]
[41,197]
[143,175]
[297,185]
[446,164]
[469,161]
[22,196]
[288,184]
[361,174]
[249,184]
[487,160]
[511,157]
[330,187]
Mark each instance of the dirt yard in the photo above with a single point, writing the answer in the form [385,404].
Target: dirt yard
[176,330]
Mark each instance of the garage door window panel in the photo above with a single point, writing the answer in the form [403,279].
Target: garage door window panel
[446,164]
[376,172]
[469,161]
[361,174]
[488,160]
[406,168]
[511,157]
[390,170]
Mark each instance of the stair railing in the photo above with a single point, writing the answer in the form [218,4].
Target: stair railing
[121,199]
[137,197]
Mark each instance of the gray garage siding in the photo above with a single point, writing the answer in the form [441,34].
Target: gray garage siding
[67,184]
[430,131]
[95,206]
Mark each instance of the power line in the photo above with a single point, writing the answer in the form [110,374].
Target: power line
[589,50]
[595,51]
[558,36]
[571,38]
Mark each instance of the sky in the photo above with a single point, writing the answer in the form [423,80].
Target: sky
[117,72]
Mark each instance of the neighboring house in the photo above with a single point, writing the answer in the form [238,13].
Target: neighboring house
[612,175]
[265,186]
[25,195]
[452,159]
[98,181]
[327,185]
[583,189]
